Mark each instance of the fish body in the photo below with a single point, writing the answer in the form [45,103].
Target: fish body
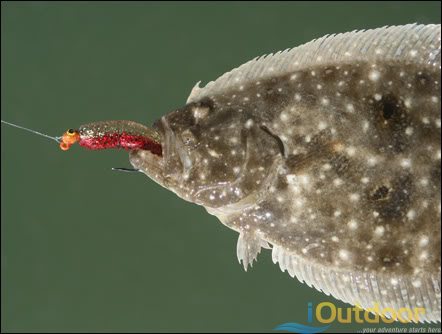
[330,154]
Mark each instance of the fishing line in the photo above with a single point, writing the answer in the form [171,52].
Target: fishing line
[57,139]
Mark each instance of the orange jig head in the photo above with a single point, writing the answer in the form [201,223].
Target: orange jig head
[69,138]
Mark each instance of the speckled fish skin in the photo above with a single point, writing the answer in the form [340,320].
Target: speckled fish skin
[329,152]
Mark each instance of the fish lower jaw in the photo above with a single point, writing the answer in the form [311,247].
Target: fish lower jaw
[148,163]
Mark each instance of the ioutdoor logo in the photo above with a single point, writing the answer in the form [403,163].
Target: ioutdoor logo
[326,313]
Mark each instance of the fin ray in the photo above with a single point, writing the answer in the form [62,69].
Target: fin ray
[366,289]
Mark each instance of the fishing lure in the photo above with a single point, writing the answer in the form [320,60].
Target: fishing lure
[113,134]
[328,153]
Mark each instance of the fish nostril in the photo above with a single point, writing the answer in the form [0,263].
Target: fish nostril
[188,138]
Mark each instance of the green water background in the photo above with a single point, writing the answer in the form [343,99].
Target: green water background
[87,249]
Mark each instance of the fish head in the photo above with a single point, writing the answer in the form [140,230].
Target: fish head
[213,154]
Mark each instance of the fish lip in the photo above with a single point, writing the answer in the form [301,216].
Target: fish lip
[167,136]
[158,127]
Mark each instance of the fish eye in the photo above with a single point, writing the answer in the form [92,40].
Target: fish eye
[188,138]
[71,132]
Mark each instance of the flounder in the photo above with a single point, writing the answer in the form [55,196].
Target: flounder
[329,155]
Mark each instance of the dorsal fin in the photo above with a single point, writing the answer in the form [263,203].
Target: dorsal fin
[414,43]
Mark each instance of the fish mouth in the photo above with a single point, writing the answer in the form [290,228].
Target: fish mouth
[151,162]
[168,169]
[172,167]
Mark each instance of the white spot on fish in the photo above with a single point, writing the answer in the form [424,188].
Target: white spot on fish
[344,255]
[423,255]
[424,240]
[284,117]
[379,231]
[354,197]
[213,153]
[371,160]
[365,126]
[411,214]
[352,224]
[337,182]
[280,199]
[350,151]
[424,182]
[249,123]
[406,163]
[322,125]
[326,166]
[417,283]
[299,202]
[350,108]
[374,75]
